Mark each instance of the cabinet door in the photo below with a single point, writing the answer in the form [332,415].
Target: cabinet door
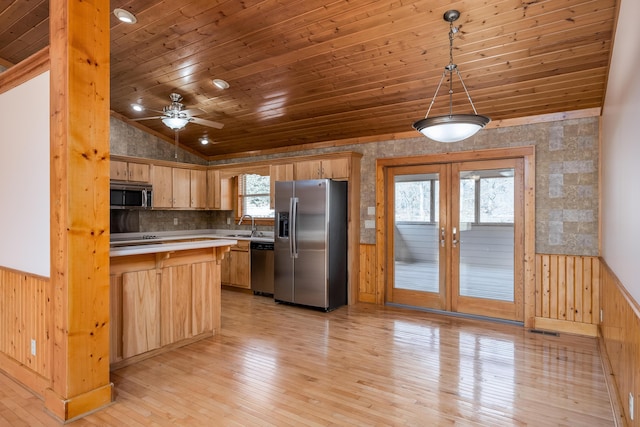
[181,188]
[118,170]
[307,170]
[278,173]
[140,312]
[225,268]
[175,304]
[202,297]
[198,189]
[336,168]
[161,179]
[138,172]
[219,191]
[240,266]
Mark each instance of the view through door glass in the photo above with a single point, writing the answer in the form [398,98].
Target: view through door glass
[416,247]
[486,234]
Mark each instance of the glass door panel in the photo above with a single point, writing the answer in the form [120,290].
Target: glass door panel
[418,260]
[484,231]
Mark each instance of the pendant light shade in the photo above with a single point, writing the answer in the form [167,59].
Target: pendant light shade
[452,127]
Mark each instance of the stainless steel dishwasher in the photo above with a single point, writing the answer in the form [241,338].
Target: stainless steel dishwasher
[262,268]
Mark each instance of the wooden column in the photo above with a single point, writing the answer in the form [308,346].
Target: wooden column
[79,291]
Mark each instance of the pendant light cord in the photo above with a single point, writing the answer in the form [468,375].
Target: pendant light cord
[449,69]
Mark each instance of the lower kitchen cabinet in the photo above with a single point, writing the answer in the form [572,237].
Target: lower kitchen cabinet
[162,300]
[175,304]
[140,312]
[236,267]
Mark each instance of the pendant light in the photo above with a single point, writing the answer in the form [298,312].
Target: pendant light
[452,127]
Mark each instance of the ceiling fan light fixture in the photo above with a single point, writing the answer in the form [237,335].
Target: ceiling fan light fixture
[204,141]
[220,84]
[452,127]
[125,16]
[137,107]
[175,123]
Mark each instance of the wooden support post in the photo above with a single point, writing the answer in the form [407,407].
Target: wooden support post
[79,291]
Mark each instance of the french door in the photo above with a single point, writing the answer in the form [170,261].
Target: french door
[455,237]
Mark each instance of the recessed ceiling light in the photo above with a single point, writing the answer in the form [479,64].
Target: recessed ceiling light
[125,16]
[220,84]
[137,107]
[204,141]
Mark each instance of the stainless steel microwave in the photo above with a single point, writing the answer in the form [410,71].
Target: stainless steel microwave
[131,195]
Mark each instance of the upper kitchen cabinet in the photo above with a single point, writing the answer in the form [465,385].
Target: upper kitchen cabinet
[283,172]
[129,171]
[326,168]
[178,188]
[219,191]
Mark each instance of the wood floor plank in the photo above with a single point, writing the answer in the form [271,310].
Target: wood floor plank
[362,365]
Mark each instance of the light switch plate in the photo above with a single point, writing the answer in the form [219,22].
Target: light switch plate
[371,210]
[369,223]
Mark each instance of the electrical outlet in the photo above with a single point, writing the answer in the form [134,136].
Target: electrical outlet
[228,221]
[33,347]
[631,406]
[175,221]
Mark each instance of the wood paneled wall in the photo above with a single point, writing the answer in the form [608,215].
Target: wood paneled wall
[620,331]
[24,316]
[367,288]
[567,293]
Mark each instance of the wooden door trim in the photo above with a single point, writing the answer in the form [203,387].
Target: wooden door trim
[527,153]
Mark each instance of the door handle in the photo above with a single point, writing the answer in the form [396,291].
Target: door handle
[455,237]
[442,237]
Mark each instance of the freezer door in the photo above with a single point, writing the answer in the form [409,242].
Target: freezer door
[310,234]
[283,260]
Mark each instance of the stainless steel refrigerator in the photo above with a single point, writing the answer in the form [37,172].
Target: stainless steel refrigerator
[310,249]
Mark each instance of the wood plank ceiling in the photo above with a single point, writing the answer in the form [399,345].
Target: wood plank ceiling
[305,71]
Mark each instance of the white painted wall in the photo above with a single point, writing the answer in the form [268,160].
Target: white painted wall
[621,153]
[24,177]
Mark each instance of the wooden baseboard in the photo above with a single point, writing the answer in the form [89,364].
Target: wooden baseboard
[68,409]
[21,373]
[556,325]
[614,396]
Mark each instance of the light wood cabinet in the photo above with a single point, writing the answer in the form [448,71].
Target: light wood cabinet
[236,267]
[178,187]
[129,171]
[318,169]
[175,304]
[198,189]
[279,173]
[140,312]
[219,191]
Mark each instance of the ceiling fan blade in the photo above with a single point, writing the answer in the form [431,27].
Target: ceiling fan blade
[147,118]
[193,112]
[204,122]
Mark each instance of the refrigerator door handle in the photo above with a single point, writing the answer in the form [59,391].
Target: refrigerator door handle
[293,224]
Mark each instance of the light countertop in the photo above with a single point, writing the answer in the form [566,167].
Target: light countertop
[123,244]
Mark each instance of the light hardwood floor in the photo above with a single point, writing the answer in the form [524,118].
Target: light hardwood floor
[360,365]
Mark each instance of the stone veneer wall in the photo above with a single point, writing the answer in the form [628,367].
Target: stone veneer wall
[567,193]
[566,177]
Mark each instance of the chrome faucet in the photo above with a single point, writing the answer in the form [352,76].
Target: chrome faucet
[253,224]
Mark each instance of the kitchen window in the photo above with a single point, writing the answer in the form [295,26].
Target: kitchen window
[254,196]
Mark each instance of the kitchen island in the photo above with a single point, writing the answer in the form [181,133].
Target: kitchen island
[165,293]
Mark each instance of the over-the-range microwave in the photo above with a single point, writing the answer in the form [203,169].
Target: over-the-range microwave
[131,195]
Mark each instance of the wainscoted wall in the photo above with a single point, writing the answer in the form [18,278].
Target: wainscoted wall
[25,317]
[620,331]
[567,293]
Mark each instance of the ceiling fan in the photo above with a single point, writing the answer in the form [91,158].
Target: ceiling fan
[175,117]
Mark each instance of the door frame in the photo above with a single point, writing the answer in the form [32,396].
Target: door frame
[527,154]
